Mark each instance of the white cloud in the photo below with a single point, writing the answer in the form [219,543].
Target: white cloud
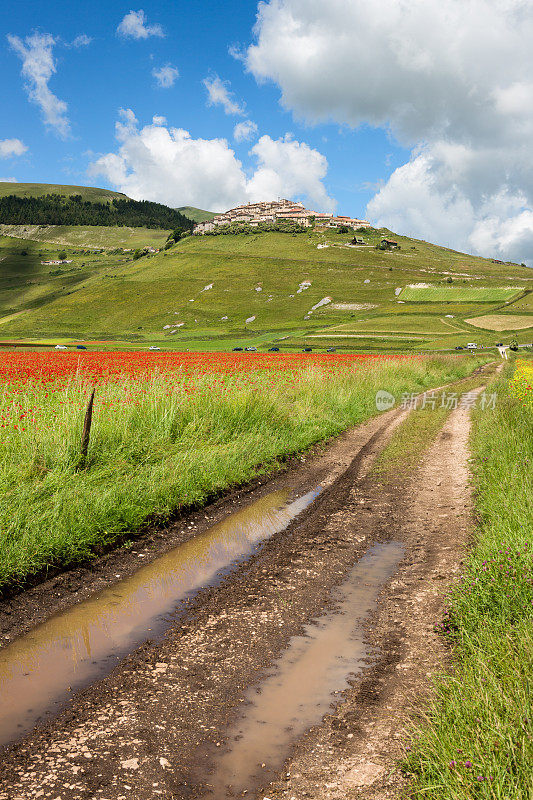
[244,131]
[452,80]
[11,147]
[166,76]
[165,164]
[219,94]
[287,168]
[38,66]
[134,26]
[81,41]
[8,180]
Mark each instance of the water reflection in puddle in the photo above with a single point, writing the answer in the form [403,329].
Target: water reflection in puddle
[300,689]
[76,647]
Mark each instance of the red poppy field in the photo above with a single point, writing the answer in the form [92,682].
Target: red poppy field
[126,378]
[169,430]
[18,369]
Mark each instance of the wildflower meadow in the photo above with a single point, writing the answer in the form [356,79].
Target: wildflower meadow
[169,431]
[521,385]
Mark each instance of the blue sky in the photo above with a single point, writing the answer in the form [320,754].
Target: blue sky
[418,116]
[114,71]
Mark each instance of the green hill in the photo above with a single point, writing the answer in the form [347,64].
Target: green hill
[197,214]
[56,209]
[89,193]
[89,236]
[201,292]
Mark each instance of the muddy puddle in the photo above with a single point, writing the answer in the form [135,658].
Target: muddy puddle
[39,671]
[302,685]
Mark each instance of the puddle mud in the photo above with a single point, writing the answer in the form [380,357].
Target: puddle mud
[301,687]
[39,671]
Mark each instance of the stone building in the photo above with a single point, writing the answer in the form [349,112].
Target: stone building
[273,211]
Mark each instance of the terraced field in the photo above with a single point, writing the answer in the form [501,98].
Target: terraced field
[502,322]
[459,294]
[424,324]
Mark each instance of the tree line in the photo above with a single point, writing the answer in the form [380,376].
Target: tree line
[56,209]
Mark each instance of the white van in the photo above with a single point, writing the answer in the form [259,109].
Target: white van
[471,346]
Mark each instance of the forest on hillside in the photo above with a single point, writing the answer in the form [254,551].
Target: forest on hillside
[56,209]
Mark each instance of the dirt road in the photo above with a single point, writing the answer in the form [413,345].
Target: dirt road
[292,676]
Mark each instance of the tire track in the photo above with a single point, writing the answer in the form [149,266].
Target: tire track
[150,729]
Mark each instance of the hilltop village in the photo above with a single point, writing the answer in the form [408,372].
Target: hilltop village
[275,211]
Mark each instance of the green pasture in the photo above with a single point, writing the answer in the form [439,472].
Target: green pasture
[88,236]
[91,193]
[197,214]
[275,278]
[428,325]
[27,284]
[457,294]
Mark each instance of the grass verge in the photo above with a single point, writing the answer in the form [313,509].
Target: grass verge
[408,442]
[164,443]
[415,434]
[476,740]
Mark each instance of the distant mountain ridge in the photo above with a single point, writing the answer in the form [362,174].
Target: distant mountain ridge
[91,193]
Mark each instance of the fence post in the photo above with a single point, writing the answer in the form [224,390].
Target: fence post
[86,430]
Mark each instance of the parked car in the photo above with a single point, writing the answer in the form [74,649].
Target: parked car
[60,347]
[307,350]
[330,350]
[251,349]
[273,349]
[237,350]
[471,346]
[153,347]
[459,347]
[80,347]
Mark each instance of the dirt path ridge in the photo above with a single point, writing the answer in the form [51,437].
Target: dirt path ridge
[153,727]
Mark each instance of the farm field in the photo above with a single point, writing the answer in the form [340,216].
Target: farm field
[522,306]
[455,294]
[502,322]
[215,293]
[168,432]
[425,324]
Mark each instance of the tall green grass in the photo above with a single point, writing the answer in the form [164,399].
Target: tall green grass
[161,445]
[476,741]
[459,294]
